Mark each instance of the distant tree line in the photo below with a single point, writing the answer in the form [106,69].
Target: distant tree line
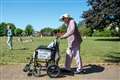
[47,31]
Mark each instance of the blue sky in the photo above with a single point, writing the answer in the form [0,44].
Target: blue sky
[40,13]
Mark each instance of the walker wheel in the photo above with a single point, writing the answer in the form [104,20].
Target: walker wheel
[26,68]
[53,71]
[37,71]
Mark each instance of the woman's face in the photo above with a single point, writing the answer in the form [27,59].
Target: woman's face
[66,20]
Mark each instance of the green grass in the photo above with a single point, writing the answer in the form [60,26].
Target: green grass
[93,50]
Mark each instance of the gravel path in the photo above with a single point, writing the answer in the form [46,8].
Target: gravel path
[92,72]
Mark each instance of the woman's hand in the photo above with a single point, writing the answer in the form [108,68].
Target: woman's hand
[61,37]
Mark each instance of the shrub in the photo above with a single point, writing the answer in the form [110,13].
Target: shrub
[104,33]
[85,31]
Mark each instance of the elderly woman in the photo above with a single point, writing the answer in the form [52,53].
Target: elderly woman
[74,41]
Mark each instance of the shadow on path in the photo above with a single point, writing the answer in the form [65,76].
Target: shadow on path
[88,69]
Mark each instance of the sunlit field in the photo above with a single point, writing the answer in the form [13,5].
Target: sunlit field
[93,49]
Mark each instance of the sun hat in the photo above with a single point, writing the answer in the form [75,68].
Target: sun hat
[65,16]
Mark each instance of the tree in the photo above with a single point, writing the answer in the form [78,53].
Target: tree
[85,31]
[18,32]
[3,28]
[47,31]
[29,30]
[62,28]
[81,24]
[102,14]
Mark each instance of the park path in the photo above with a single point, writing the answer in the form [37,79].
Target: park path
[93,72]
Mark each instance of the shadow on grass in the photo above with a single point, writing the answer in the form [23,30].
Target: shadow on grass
[113,57]
[108,39]
[88,69]
[21,49]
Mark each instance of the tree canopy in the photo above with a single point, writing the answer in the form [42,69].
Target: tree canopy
[18,32]
[29,30]
[47,31]
[103,13]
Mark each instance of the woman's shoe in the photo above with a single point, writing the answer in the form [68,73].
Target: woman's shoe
[78,71]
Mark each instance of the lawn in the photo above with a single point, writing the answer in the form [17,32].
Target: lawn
[93,50]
